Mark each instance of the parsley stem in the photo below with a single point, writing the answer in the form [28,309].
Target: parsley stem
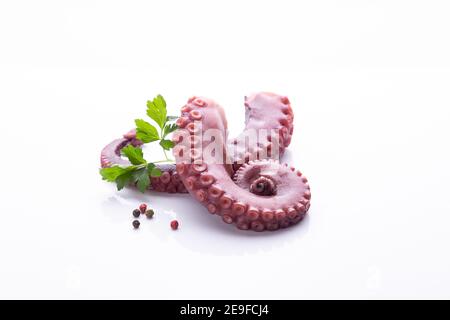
[165,154]
[162,161]
[140,166]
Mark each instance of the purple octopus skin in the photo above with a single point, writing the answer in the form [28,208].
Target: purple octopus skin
[261,195]
[263,110]
[267,112]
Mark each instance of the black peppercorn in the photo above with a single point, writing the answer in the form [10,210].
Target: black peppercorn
[136,213]
[136,224]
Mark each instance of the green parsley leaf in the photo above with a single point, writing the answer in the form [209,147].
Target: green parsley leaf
[124,180]
[135,155]
[166,144]
[110,174]
[122,176]
[142,179]
[169,128]
[156,110]
[140,171]
[156,172]
[145,131]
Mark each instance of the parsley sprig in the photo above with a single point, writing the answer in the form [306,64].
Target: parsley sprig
[140,171]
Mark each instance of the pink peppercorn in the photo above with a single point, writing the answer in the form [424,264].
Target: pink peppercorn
[174,224]
[143,208]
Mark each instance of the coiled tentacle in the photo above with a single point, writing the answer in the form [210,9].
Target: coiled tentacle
[264,195]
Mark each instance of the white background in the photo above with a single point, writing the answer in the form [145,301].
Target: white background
[369,82]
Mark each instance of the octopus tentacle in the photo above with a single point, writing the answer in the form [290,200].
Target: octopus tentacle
[265,112]
[110,154]
[261,195]
[272,117]
[169,181]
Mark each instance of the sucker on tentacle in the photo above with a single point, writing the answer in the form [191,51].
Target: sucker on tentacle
[268,113]
[264,194]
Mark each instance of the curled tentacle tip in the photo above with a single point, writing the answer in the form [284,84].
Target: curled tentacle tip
[285,197]
[285,100]
[263,186]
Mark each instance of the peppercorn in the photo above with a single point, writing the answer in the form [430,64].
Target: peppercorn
[174,224]
[143,207]
[149,213]
[136,224]
[136,213]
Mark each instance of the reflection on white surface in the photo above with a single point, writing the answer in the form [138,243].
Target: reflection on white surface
[199,230]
